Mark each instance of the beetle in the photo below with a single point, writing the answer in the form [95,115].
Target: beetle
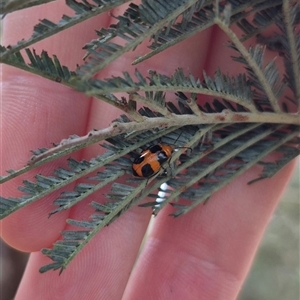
[151,160]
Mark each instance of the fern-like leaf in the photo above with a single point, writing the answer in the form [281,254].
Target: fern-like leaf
[46,28]
[103,51]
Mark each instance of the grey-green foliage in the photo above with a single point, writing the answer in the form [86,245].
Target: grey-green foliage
[247,118]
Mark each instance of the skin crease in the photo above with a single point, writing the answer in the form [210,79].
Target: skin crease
[205,254]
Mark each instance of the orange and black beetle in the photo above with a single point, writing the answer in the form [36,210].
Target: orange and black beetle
[151,160]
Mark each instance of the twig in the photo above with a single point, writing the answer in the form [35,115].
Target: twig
[116,128]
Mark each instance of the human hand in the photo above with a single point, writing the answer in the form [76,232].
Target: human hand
[205,254]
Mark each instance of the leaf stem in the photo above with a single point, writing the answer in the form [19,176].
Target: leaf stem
[123,206]
[294,54]
[215,165]
[241,170]
[250,61]
[191,161]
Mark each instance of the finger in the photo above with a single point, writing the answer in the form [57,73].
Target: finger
[36,113]
[98,271]
[207,253]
